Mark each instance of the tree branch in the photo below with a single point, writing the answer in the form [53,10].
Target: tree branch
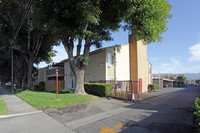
[12,22]
[38,48]
[19,25]
[79,47]
[65,41]
[87,46]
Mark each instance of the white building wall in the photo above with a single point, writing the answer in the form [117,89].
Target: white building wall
[122,62]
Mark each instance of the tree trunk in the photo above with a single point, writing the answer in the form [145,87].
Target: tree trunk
[77,66]
[30,71]
[23,81]
[79,76]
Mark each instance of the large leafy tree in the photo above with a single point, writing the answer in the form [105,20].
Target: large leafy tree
[197,81]
[181,77]
[36,42]
[90,22]
[33,44]
[12,16]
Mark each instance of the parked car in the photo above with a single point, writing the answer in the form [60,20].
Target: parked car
[8,84]
[196,85]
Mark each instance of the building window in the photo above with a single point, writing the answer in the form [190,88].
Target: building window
[73,82]
[110,59]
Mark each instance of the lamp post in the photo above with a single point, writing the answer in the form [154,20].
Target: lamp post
[12,75]
[57,82]
[159,79]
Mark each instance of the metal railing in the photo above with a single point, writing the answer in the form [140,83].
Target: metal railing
[123,89]
[52,72]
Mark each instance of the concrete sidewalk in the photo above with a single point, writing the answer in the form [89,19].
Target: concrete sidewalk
[14,104]
[34,123]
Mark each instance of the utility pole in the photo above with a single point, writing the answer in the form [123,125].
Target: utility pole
[12,76]
[57,82]
[159,79]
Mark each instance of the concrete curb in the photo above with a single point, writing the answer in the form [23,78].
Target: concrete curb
[87,120]
[15,115]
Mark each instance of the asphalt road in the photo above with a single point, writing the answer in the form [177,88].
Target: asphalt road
[169,113]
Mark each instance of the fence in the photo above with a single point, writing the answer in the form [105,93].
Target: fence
[124,89]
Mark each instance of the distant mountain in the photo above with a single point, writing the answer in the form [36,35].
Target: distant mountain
[189,76]
[192,76]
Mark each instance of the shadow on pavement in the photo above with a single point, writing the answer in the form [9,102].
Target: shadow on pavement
[170,113]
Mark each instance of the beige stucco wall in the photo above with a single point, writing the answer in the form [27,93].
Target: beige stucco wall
[122,62]
[42,75]
[50,85]
[138,62]
[96,68]
[142,65]
[67,75]
[130,63]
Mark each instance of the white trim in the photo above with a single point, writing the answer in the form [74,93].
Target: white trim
[110,59]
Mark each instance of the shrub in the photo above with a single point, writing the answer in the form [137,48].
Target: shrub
[99,89]
[196,113]
[36,87]
[63,91]
[152,87]
[40,87]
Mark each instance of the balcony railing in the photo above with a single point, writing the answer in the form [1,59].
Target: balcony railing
[52,72]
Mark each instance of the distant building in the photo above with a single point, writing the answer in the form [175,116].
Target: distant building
[48,76]
[172,81]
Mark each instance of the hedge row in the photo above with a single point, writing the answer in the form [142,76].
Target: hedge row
[99,89]
[196,113]
[40,87]
[153,87]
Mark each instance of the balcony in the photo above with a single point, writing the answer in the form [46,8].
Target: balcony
[52,72]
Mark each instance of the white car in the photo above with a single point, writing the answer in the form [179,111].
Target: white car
[8,84]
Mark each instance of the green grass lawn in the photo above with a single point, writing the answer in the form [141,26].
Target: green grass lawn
[47,100]
[3,109]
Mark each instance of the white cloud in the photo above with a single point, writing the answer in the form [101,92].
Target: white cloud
[171,67]
[195,51]
[175,66]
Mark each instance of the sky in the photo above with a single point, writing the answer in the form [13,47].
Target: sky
[179,52]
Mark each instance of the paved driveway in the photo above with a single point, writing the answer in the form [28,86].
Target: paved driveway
[169,113]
